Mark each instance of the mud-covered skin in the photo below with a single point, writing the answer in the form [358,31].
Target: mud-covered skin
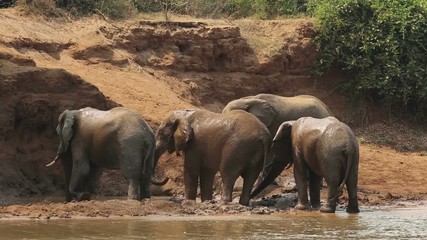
[91,139]
[318,148]
[235,144]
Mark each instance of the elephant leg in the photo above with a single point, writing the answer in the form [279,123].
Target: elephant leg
[249,180]
[207,178]
[353,205]
[191,180]
[92,179]
[315,183]
[300,174]
[79,175]
[67,167]
[331,202]
[133,189]
[191,174]
[145,186]
[228,181]
[134,178]
[88,187]
[131,165]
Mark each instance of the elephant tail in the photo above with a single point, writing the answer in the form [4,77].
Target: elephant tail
[267,157]
[350,159]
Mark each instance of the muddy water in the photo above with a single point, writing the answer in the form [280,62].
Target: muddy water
[379,224]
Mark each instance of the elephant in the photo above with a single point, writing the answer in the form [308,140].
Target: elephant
[318,148]
[91,139]
[235,144]
[273,110]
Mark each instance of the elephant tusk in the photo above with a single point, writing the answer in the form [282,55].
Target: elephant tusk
[159,182]
[53,162]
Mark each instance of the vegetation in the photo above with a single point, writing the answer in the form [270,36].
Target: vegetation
[6,3]
[382,44]
[262,9]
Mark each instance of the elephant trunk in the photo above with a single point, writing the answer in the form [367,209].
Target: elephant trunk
[270,173]
[159,152]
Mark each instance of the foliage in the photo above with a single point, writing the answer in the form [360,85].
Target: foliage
[112,8]
[266,9]
[41,7]
[382,44]
[6,3]
[116,8]
[263,9]
[287,7]
[148,5]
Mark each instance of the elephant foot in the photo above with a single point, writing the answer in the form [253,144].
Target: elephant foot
[352,209]
[300,206]
[136,198]
[69,197]
[327,209]
[315,206]
[244,202]
[85,196]
[145,197]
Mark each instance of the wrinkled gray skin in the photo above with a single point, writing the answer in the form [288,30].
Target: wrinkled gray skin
[235,144]
[91,139]
[273,110]
[318,148]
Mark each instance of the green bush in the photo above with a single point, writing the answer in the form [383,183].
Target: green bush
[286,7]
[116,8]
[6,3]
[148,5]
[112,8]
[381,44]
[266,9]
[263,9]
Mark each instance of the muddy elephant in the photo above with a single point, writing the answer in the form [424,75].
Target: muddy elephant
[273,110]
[235,144]
[318,148]
[90,140]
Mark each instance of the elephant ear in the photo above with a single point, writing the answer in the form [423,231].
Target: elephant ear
[261,109]
[284,131]
[182,135]
[65,130]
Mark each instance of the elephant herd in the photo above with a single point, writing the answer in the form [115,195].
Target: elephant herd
[255,137]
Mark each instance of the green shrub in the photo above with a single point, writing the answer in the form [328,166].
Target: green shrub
[286,7]
[116,8]
[266,9]
[381,44]
[148,5]
[6,3]
[240,8]
[40,7]
[112,8]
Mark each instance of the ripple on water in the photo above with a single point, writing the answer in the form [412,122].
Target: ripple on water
[397,223]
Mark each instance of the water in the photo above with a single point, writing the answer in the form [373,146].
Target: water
[397,224]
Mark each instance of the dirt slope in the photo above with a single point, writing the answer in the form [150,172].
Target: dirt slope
[153,67]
